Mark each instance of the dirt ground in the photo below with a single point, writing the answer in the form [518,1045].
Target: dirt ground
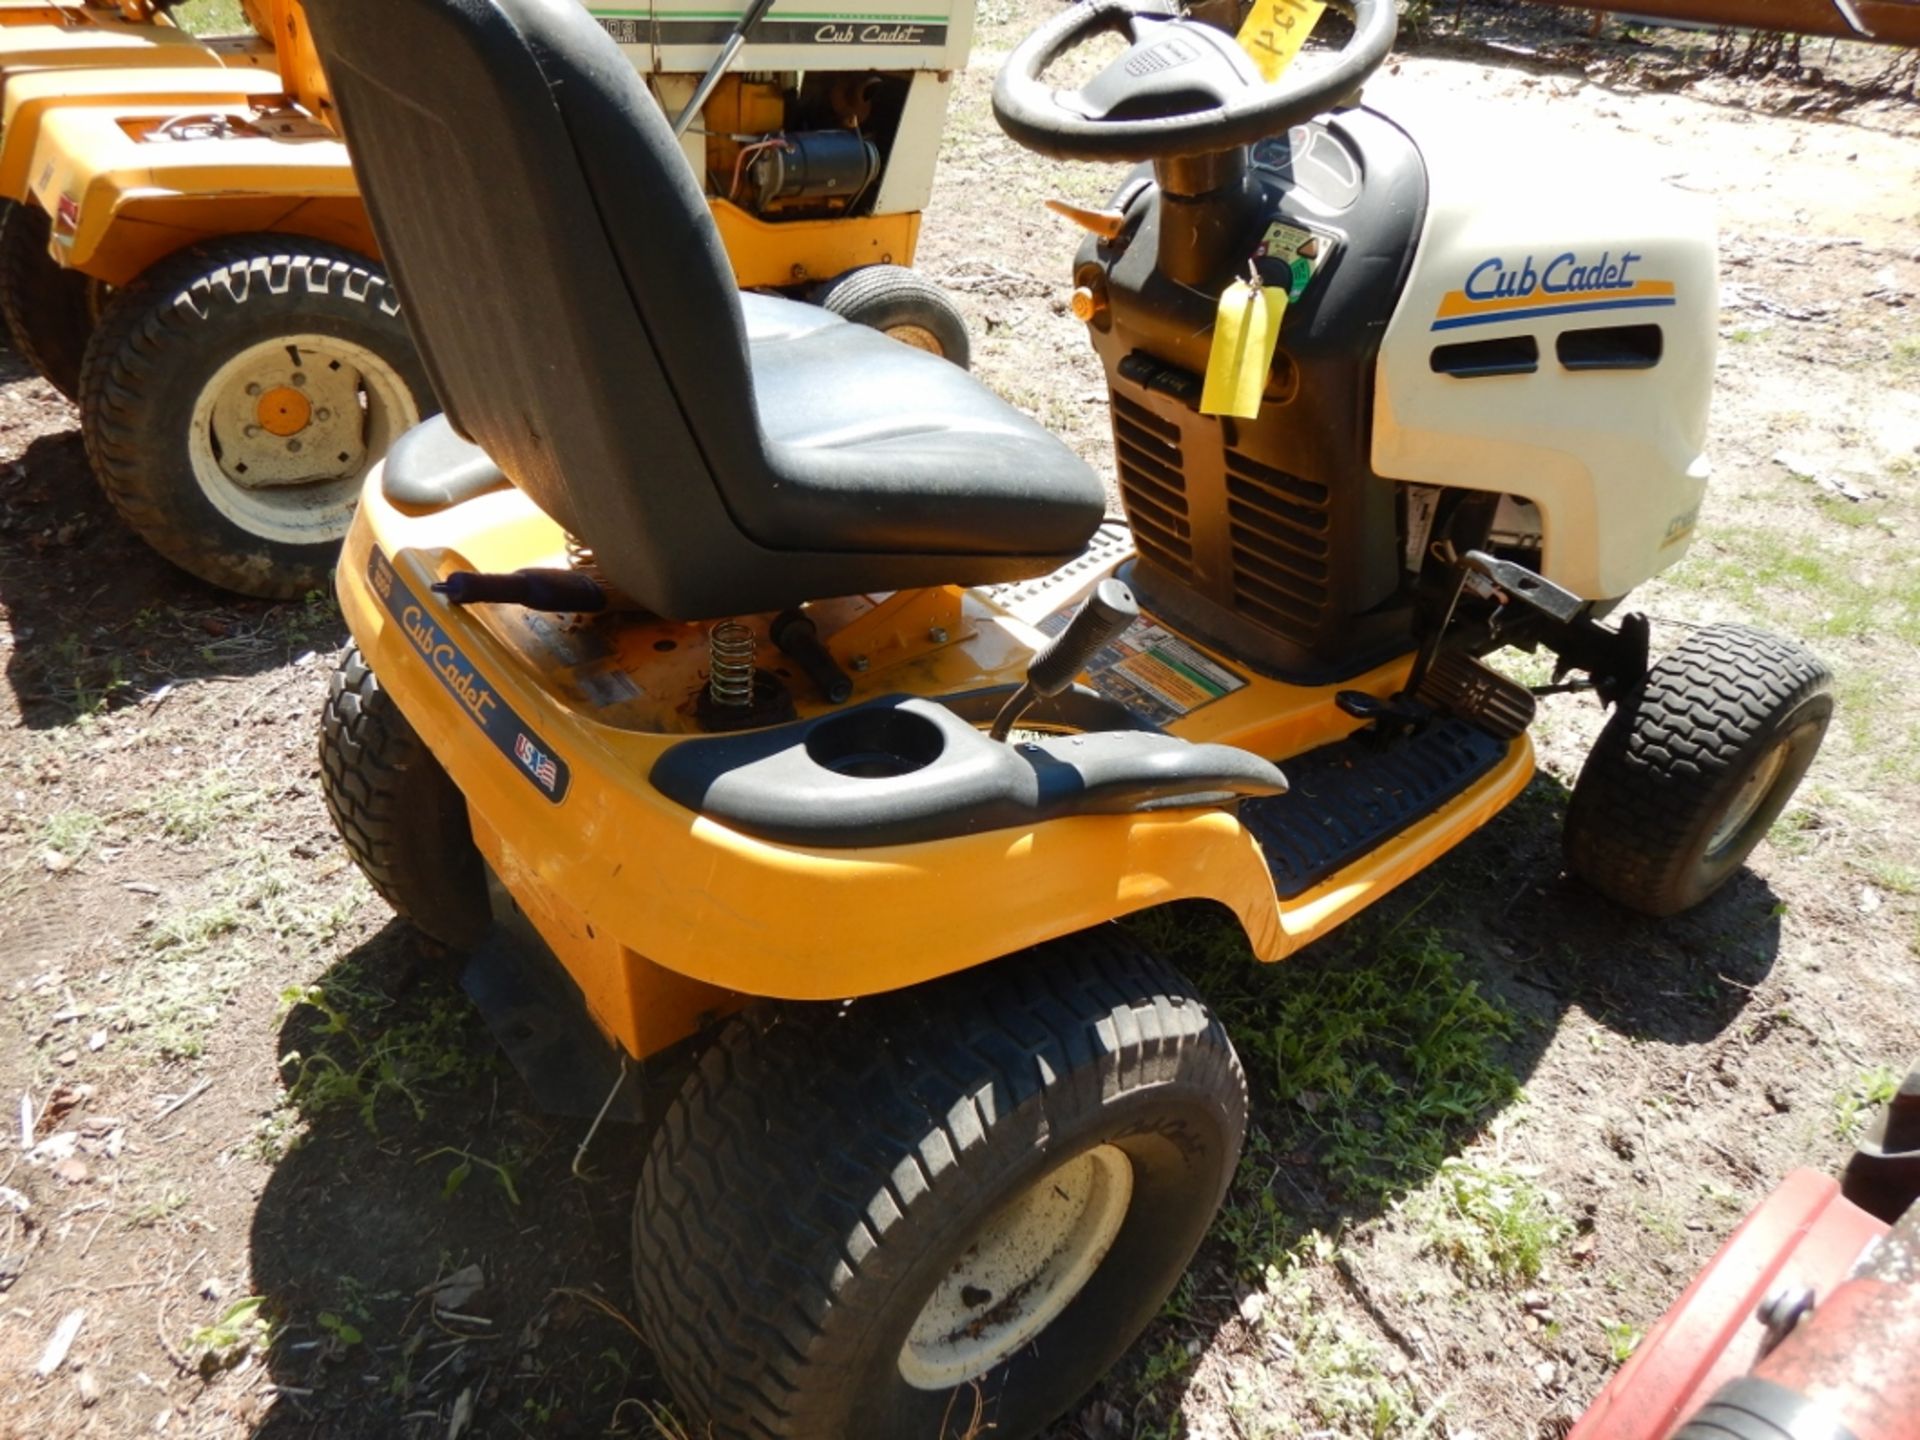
[250,1123]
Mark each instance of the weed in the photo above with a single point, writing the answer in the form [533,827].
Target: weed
[342,1333]
[502,1171]
[1169,1362]
[1490,1222]
[1622,1339]
[1661,1225]
[1729,1202]
[371,1051]
[84,684]
[1854,1106]
[150,1213]
[241,1328]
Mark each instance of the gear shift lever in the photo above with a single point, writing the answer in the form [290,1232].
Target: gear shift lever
[1105,616]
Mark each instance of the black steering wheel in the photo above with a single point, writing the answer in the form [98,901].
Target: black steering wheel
[1182,88]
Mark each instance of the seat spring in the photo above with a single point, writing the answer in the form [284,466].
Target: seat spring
[731,648]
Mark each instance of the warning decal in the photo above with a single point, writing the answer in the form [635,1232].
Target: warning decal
[1154,673]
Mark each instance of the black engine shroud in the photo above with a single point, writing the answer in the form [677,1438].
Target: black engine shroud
[1273,538]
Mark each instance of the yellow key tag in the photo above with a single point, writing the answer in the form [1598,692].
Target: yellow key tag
[1245,330]
[1275,30]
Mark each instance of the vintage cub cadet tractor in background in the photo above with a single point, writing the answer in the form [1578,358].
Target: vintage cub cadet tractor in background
[715,660]
[184,253]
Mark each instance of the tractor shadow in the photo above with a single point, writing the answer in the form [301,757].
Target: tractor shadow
[1373,1057]
[95,620]
[421,1153]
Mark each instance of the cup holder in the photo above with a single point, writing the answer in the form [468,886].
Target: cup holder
[875,744]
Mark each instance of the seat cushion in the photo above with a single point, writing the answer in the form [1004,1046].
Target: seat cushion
[859,422]
[877,446]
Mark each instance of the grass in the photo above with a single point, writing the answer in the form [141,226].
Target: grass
[1892,875]
[194,959]
[1382,1057]
[1806,588]
[1492,1223]
[1855,1105]
[212,17]
[69,834]
[1340,1375]
[197,809]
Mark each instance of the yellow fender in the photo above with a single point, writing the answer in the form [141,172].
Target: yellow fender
[663,915]
[123,196]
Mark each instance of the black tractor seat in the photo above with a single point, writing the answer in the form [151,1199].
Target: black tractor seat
[565,281]
[822,384]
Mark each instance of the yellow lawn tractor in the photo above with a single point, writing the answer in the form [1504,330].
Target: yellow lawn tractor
[777,704]
[184,253]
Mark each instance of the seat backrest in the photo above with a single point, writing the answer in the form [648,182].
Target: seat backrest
[559,267]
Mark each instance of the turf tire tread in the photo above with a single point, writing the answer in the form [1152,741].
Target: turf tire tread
[744,1212]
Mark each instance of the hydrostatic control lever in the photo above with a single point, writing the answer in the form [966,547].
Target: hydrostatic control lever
[1101,620]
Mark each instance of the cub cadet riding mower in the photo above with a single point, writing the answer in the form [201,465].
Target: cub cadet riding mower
[680,683]
[190,261]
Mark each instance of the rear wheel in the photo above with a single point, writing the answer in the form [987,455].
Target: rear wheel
[50,311]
[403,819]
[904,305]
[1694,767]
[941,1211]
[234,399]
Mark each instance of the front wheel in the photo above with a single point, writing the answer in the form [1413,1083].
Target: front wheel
[941,1211]
[903,305]
[1695,766]
[234,398]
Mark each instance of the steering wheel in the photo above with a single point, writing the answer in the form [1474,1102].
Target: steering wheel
[1182,88]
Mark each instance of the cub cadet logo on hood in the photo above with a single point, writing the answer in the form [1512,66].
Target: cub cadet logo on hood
[1566,284]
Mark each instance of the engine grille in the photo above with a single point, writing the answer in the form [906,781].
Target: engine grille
[1147,452]
[1278,525]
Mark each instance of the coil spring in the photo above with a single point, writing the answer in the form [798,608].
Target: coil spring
[730,648]
[580,557]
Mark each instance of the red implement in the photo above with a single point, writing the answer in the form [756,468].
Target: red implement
[1804,1233]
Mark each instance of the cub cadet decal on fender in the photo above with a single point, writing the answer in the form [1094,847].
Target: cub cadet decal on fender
[1564,285]
[511,736]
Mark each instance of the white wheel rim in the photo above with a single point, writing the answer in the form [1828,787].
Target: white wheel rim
[1748,799]
[1024,1267]
[918,336]
[283,435]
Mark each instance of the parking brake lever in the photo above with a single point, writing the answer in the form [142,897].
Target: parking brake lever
[1102,620]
